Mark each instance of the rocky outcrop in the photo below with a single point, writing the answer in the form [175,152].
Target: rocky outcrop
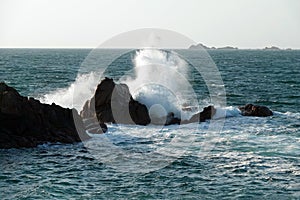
[207,113]
[255,110]
[25,122]
[247,110]
[113,103]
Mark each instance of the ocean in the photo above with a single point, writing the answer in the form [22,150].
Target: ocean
[244,158]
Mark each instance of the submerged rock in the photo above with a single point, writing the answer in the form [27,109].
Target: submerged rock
[207,113]
[255,110]
[25,122]
[171,119]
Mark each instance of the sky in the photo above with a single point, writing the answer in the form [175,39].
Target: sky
[88,23]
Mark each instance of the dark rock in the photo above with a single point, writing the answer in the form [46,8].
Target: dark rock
[113,103]
[171,119]
[255,110]
[25,122]
[103,127]
[204,115]
[272,48]
[166,120]
[88,110]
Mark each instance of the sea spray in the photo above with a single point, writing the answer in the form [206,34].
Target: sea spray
[161,77]
[76,94]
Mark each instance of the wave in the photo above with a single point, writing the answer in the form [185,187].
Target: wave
[288,114]
[161,80]
[161,83]
[76,94]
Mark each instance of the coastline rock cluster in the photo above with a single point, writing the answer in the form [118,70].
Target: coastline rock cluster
[25,122]
[113,103]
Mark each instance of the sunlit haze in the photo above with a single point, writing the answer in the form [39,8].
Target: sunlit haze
[80,24]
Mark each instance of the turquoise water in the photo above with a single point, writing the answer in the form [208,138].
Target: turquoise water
[250,158]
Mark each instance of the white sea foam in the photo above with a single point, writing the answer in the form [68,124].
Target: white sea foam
[226,112]
[289,114]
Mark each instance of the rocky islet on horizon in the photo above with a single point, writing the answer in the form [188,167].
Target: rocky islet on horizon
[202,46]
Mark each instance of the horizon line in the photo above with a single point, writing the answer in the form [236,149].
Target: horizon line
[90,47]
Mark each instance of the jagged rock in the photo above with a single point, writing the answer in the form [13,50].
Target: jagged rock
[88,110]
[25,122]
[255,110]
[113,103]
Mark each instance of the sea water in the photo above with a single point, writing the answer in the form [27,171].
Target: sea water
[248,157]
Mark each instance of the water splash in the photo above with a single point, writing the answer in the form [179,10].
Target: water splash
[161,77]
[76,94]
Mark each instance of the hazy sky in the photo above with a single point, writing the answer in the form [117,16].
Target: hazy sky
[88,23]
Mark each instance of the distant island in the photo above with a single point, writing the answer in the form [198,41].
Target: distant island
[202,46]
[272,48]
